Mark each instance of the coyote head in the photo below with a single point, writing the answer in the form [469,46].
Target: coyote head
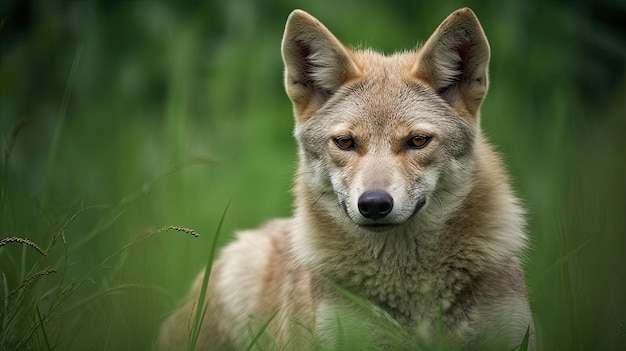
[384,138]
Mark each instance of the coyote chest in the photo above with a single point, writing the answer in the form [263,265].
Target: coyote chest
[414,285]
[409,293]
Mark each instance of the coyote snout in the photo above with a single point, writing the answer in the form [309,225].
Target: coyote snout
[383,179]
[376,205]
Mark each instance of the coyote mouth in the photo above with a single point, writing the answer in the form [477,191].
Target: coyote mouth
[379,227]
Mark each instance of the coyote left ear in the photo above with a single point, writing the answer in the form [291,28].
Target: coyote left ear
[454,62]
[316,63]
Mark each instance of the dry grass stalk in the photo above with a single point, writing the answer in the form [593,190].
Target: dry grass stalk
[15,239]
[28,281]
[178,229]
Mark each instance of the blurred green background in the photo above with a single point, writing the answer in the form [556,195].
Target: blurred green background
[121,117]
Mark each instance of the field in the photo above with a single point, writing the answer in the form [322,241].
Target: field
[119,120]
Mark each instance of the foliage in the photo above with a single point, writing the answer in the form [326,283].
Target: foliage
[118,117]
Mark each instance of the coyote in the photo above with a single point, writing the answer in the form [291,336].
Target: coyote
[403,212]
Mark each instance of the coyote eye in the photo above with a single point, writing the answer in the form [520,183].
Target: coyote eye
[419,141]
[344,143]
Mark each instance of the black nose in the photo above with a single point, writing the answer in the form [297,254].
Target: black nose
[375,204]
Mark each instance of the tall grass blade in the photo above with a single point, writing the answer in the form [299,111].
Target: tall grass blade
[56,137]
[367,306]
[200,160]
[126,247]
[261,331]
[524,345]
[557,264]
[7,153]
[43,329]
[201,306]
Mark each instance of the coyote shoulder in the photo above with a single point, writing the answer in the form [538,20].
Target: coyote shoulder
[405,232]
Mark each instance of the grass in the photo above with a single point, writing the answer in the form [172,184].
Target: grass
[118,119]
[202,306]
[21,332]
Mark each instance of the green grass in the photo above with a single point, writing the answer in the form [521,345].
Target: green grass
[202,306]
[120,120]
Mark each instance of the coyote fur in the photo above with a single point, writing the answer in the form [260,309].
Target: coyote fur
[403,211]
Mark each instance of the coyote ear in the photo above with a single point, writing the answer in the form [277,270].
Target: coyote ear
[454,61]
[316,63]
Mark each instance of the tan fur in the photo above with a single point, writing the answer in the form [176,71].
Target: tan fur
[443,258]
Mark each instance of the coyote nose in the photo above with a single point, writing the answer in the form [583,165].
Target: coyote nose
[375,204]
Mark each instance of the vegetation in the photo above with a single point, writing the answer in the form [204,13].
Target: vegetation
[119,117]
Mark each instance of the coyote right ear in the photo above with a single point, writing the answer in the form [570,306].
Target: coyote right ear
[454,61]
[316,63]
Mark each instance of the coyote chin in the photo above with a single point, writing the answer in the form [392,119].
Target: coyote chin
[404,215]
